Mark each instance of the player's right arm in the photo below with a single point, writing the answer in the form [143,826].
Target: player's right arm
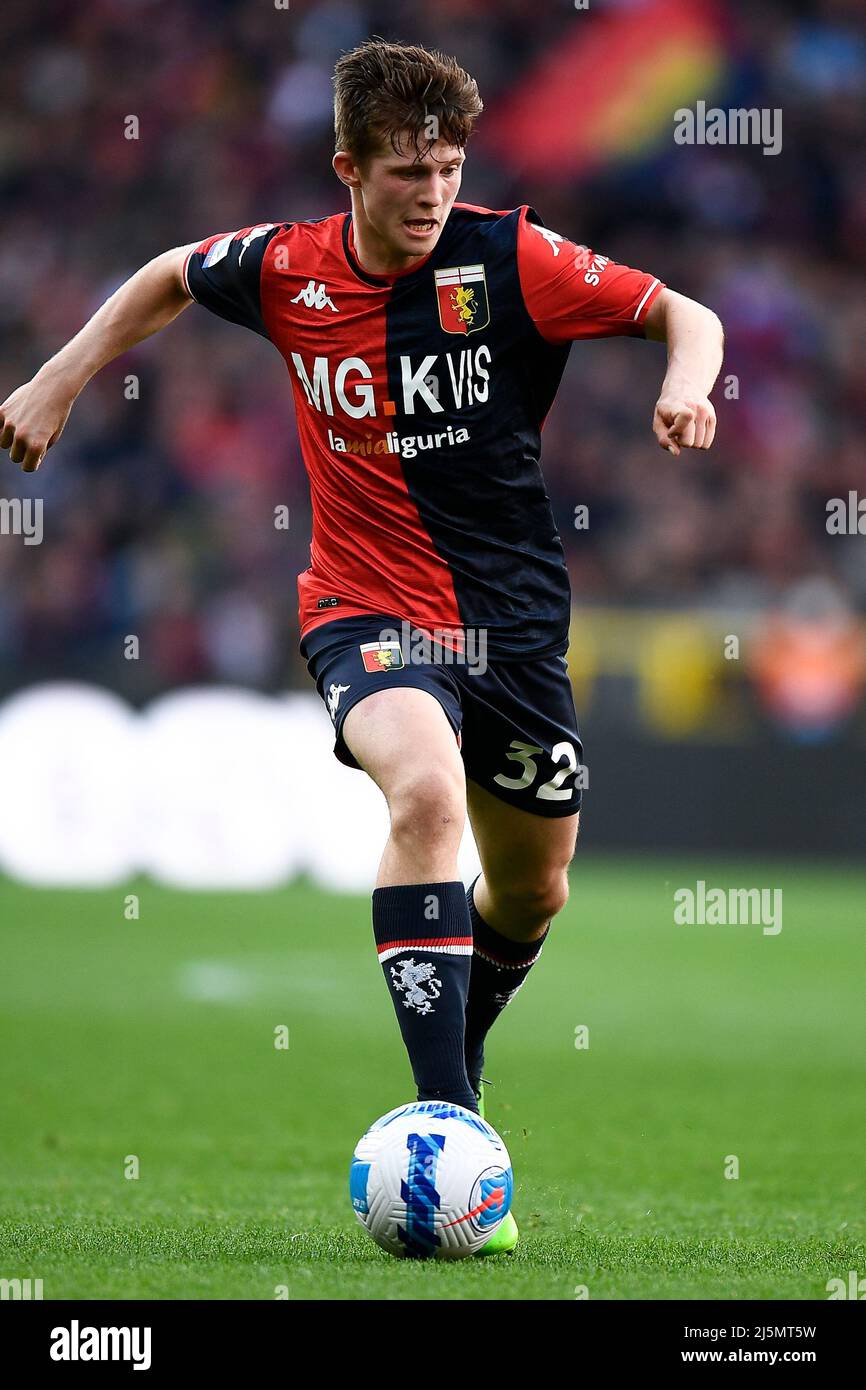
[34,416]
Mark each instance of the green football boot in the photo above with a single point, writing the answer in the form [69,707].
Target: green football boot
[506,1235]
[480,1095]
[503,1240]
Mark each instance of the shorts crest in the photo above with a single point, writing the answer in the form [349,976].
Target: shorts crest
[381,656]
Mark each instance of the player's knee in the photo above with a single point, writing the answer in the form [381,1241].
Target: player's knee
[553,894]
[536,902]
[429,805]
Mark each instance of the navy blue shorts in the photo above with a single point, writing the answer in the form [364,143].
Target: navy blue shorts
[515,721]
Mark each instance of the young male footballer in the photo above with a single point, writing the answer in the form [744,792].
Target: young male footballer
[425,339]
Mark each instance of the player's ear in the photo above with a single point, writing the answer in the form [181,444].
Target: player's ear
[344,167]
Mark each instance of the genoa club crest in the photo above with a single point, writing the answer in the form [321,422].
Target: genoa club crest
[461,292]
[381,656]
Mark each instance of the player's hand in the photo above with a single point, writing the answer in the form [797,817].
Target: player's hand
[32,419]
[680,423]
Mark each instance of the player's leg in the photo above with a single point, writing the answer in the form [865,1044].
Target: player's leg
[522,753]
[524,861]
[522,886]
[404,740]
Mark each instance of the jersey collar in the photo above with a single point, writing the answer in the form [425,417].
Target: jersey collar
[380,281]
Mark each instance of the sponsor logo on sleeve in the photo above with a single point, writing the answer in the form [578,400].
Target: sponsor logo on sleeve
[218,251]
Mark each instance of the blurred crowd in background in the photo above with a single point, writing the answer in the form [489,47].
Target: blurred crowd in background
[159,499]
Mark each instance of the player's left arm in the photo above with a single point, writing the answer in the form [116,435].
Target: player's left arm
[684,417]
[573,293]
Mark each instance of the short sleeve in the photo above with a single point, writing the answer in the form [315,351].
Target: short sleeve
[224,273]
[572,292]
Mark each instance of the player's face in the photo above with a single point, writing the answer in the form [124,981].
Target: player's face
[406,201]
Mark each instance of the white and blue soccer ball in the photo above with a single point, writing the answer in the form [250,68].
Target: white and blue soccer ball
[431,1181]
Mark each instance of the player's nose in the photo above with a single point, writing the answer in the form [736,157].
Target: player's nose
[428,205]
[431,196]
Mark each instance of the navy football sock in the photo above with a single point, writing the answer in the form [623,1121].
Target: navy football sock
[499,968]
[424,939]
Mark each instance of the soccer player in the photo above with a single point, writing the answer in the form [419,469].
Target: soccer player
[425,339]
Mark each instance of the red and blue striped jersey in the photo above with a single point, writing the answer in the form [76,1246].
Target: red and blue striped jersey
[420,398]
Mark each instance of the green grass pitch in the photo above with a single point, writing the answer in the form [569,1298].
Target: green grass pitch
[155,1038]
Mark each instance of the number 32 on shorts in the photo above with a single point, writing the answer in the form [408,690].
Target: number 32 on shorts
[553,790]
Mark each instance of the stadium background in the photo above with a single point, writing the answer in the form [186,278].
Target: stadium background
[159,523]
[159,511]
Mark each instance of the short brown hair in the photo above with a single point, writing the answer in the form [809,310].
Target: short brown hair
[384,89]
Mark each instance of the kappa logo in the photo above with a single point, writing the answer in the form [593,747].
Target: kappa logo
[552,238]
[251,236]
[461,293]
[334,698]
[315,296]
[590,262]
[409,976]
[220,249]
